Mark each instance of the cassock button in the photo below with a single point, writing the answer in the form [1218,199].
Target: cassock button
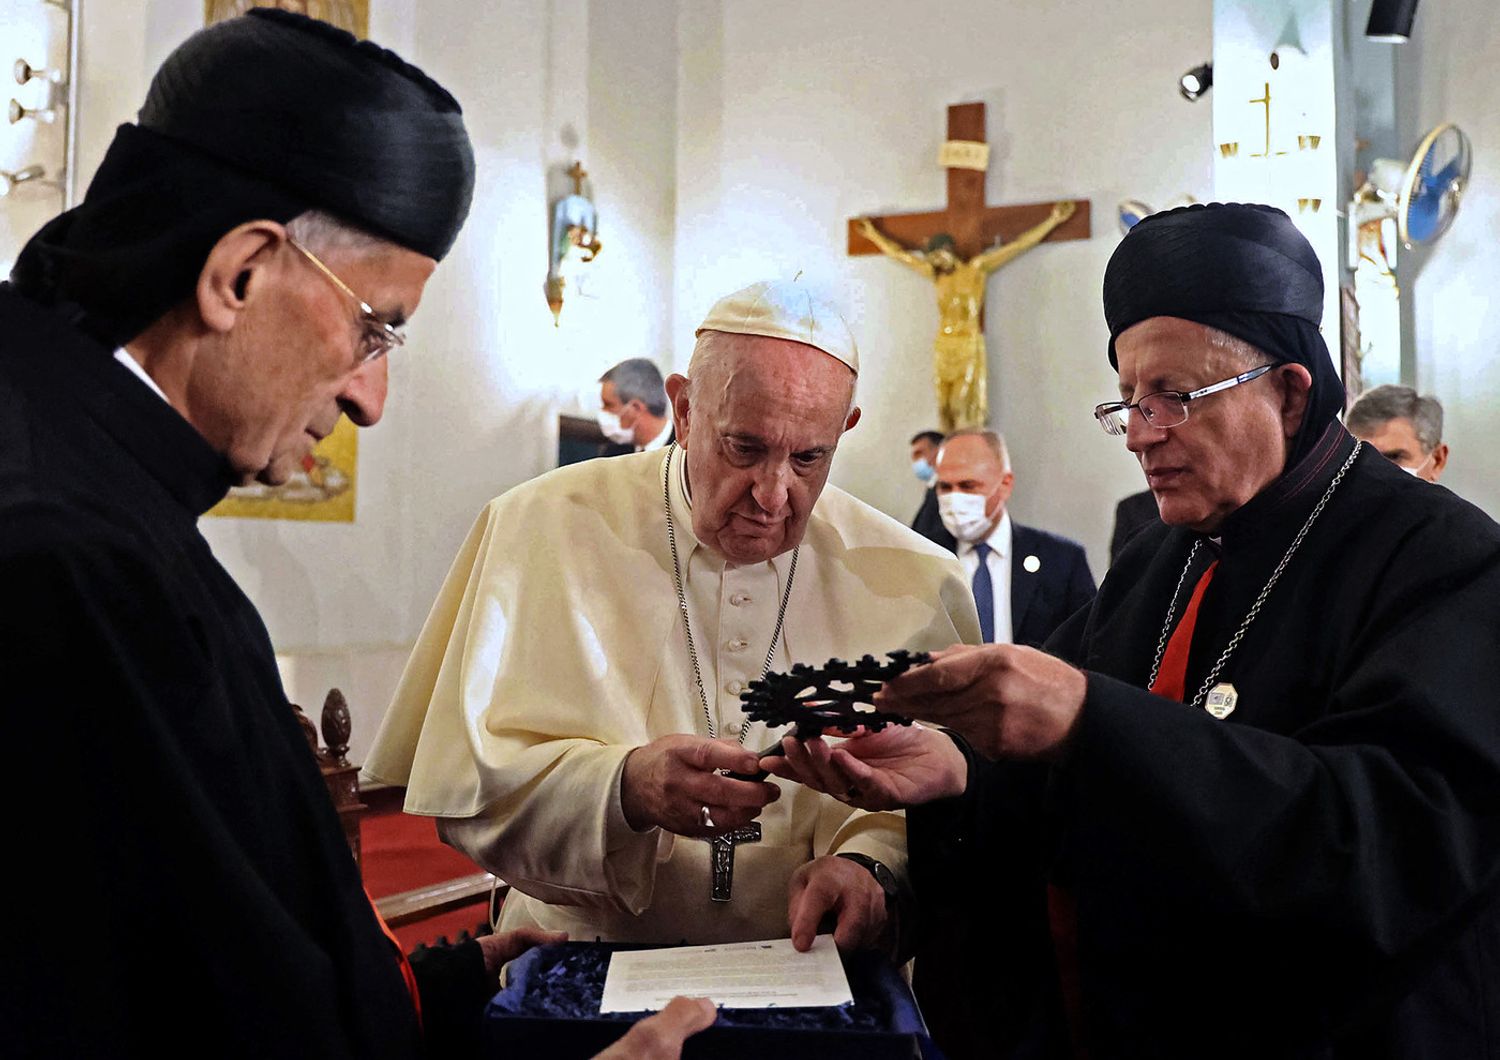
[734,688]
[736,599]
[738,644]
[1032,564]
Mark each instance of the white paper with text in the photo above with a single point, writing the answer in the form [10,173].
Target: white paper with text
[769,974]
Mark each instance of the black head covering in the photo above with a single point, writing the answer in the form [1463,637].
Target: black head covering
[1241,269]
[259,117]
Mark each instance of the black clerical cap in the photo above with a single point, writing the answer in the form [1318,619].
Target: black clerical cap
[1242,269]
[264,116]
[344,124]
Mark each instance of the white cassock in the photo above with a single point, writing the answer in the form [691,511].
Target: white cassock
[556,646]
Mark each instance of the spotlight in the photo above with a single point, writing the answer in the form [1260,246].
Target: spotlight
[1390,20]
[1196,81]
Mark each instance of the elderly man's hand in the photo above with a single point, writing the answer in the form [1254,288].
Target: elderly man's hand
[846,889]
[504,946]
[670,782]
[1007,701]
[660,1037]
[898,766]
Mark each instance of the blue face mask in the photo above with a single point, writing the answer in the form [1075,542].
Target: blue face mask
[923,470]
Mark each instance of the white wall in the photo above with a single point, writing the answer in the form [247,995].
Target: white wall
[1447,73]
[795,117]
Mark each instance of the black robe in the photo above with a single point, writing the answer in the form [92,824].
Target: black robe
[177,880]
[1315,875]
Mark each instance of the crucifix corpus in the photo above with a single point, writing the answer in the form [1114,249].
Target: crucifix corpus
[722,848]
[957,248]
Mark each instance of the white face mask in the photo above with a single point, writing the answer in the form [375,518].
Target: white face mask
[609,423]
[963,515]
[1417,471]
[923,470]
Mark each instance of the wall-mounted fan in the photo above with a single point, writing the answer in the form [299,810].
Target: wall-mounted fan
[1421,195]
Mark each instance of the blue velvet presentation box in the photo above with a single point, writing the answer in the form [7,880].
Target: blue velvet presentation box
[550,1008]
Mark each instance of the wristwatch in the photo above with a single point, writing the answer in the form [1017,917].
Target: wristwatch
[883,876]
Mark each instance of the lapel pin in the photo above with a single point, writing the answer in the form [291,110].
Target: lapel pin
[1032,564]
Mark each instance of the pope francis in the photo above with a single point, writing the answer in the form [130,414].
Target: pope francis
[572,704]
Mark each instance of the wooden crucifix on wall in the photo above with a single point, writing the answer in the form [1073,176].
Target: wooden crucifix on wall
[958,248]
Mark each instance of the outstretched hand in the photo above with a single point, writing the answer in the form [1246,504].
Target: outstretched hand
[1006,701]
[660,1037]
[670,782]
[898,766]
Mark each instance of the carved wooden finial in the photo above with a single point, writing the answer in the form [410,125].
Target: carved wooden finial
[336,725]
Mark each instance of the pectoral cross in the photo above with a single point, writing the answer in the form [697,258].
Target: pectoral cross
[721,854]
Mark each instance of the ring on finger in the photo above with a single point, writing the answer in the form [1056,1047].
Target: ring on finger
[707,818]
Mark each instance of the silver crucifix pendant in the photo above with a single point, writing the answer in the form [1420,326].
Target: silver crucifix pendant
[721,853]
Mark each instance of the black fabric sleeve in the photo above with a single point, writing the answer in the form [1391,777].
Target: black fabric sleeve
[454,988]
[1081,586]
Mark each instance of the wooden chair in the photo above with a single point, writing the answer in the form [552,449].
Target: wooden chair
[342,779]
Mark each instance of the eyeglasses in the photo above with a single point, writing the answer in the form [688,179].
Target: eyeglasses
[378,338]
[1165,408]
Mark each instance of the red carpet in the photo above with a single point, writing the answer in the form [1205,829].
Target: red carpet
[400,852]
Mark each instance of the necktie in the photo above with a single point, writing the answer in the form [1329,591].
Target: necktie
[1171,676]
[984,593]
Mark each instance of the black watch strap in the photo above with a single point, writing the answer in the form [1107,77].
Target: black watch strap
[883,876]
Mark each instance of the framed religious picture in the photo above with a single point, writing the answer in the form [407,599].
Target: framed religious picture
[320,490]
[352,15]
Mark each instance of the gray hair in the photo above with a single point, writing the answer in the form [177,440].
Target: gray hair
[638,380]
[992,440]
[322,232]
[1241,352]
[1386,403]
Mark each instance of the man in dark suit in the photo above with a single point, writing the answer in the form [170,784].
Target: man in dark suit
[633,408]
[1026,581]
[924,448]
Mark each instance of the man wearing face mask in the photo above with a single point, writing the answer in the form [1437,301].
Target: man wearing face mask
[1404,426]
[633,413]
[1025,581]
[924,449]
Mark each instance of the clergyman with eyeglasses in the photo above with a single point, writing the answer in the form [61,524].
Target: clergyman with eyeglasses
[246,253]
[1249,804]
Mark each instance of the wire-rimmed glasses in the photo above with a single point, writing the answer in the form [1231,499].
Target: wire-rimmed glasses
[1165,408]
[377,337]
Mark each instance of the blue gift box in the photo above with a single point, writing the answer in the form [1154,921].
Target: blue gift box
[550,1008]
